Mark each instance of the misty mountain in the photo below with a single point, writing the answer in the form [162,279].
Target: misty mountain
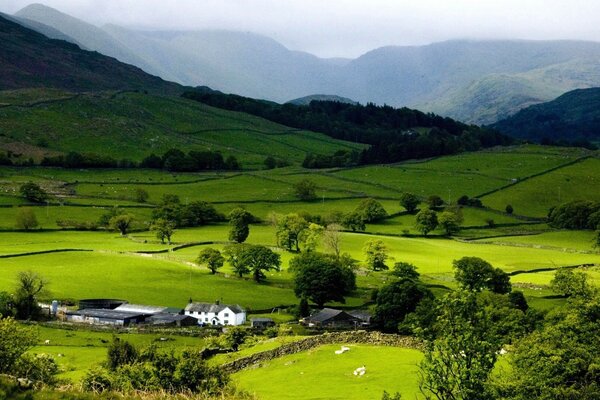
[572,117]
[474,81]
[29,59]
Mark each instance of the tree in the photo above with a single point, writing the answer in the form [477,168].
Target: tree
[270,162]
[29,286]
[354,221]
[312,236]
[474,273]
[458,362]
[509,209]
[409,201]
[121,352]
[239,220]
[289,230]
[332,238]
[234,253]
[396,300]
[371,210]
[26,219]
[571,283]
[426,221]
[303,308]
[141,195]
[376,254]
[404,270]
[305,190]
[235,337]
[258,259]
[164,229]
[7,305]
[199,213]
[212,258]
[121,223]
[450,222]
[15,340]
[321,278]
[435,201]
[169,209]
[33,192]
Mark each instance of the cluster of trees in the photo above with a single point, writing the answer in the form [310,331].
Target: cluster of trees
[243,258]
[388,130]
[23,303]
[580,214]
[195,213]
[171,160]
[341,158]
[449,220]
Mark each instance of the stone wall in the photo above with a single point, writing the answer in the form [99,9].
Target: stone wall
[349,337]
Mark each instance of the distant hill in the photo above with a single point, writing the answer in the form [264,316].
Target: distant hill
[473,81]
[30,59]
[572,117]
[304,101]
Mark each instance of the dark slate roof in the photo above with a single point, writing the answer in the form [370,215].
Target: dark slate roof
[213,308]
[364,315]
[105,313]
[168,318]
[328,313]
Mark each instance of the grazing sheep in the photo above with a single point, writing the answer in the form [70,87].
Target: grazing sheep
[46,342]
[360,371]
[342,350]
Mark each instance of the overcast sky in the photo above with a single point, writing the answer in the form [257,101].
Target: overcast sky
[348,28]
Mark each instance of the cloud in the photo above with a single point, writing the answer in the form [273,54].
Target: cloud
[348,27]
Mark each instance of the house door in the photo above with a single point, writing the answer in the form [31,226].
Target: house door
[215,321]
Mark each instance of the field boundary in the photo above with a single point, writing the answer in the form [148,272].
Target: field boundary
[35,253]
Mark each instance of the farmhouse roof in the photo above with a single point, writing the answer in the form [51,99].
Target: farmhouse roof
[213,308]
[105,313]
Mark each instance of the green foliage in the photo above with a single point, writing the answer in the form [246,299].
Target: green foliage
[450,222]
[15,340]
[33,192]
[305,190]
[570,283]
[517,300]
[311,237]
[164,229]
[321,278]
[387,396]
[509,209]
[575,215]
[409,201]
[239,220]
[396,300]
[426,221]
[290,228]
[371,210]
[303,308]
[258,259]
[29,286]
[354,221]
[141,195]
[7,305]
[235,336]
[121,223]
[459,361]
[404,270]
[375,254]
[234,253]
[434,201]
[26,219]
[121,352]
[40,368]
[474,273]
[212,258]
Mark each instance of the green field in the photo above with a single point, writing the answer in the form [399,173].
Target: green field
[321,374]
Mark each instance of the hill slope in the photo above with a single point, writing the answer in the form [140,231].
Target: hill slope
[571,117]
[30,59]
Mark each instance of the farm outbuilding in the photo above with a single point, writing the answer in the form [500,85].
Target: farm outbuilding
[261,323]
[331,318]
[105,317]
[172,319]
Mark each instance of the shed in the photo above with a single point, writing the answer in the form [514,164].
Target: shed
[332,318]
[363,315]
[261,323]
[172,319]
[142,309]
[105,317]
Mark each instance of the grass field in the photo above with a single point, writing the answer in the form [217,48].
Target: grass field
[321,374]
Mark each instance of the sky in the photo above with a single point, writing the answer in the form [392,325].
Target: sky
[348,28]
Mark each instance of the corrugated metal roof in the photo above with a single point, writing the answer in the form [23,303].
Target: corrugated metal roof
[140,308]
[105,313]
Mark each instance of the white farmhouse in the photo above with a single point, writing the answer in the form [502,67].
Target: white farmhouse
[216,314]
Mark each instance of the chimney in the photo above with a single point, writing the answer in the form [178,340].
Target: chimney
[217,302]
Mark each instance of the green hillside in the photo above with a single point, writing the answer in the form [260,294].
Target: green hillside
[571,117]
[133,125]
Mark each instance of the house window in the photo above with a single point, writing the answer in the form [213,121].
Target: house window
[206,319]
[226,322]
[226,315]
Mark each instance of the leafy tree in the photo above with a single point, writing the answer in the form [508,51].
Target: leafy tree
[404,270]
[575,215]
[303,308]
[169,208]
[212,258]
[321,278]
[199,213]
[458,362]
[450,222]
[141,195]
[258,259]
[571,283]
[409,201]
[234,253]
[232,164]
[396,300]
[332,238]
[7,305]
[26,219]
[354,221]
[270,162]
[474,273]
[517,300]
[435,201]
[426,221]
[121,352]
[305,190]
[376,254]
[312,236]
[235,336]
[29,286]
[121,223]
[289,230]
[105,218]
[597,239]
[164,229]
[371,210]
[15,341]
[33,192]
[509,209]
[239,220]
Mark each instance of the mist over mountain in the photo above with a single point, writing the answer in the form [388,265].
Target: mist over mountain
[474,81]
